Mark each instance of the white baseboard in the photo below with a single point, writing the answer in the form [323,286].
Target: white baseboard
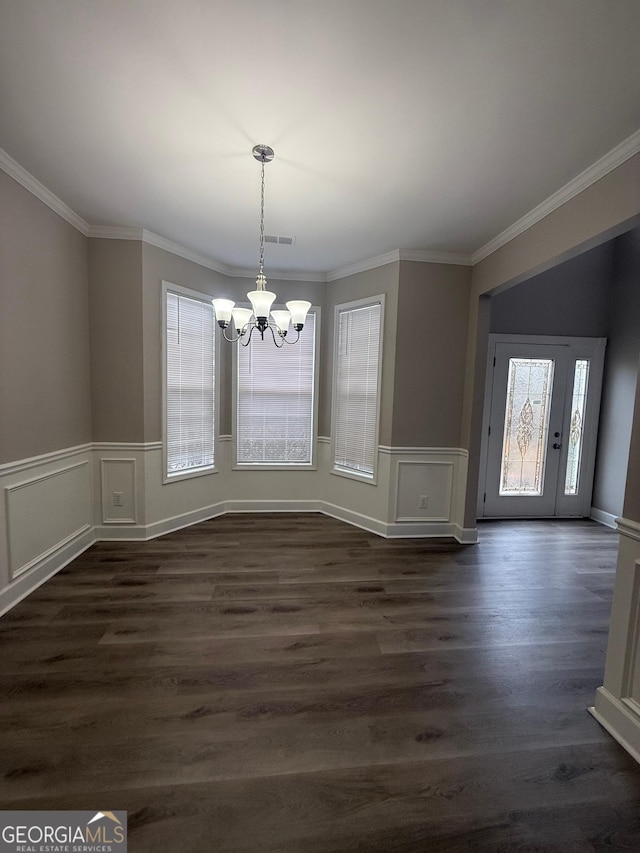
[420,530]
[365,522]
[143,533]
[46,568]
[400,530]
[603,517]
[466,535]
[273,506]
[51,563]
[618,720]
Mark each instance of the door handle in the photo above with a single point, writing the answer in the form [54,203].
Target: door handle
[556,446]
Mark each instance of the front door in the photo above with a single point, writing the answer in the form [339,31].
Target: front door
[541,426]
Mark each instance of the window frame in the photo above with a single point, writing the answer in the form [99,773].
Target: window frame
[179,290]
[361,477]
[281,466]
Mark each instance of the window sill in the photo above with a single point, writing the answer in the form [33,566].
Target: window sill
[270,466]
[187,475]
[371,479]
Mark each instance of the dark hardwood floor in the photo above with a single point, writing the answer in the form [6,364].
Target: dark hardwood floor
[281,683]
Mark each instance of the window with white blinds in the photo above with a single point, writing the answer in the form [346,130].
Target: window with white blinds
[356,387]
[275,400]
[189,390]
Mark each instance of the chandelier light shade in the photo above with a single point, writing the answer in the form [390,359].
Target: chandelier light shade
[260,316]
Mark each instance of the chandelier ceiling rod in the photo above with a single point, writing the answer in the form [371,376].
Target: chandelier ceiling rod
[265,155]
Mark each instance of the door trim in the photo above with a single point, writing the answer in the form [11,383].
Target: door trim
[594,348]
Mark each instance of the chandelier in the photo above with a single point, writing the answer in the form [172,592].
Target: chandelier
[260,317]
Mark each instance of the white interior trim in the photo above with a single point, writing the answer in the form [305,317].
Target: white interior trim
[122,232]
[44,458]
[585,179]
[427,451]
[628,528]
[33,185]
[593,173]
[51,564]
[422,256]
[418,255]
[364,265]
[17,568]
[617,718]
[466,535]
[105,463]
[602,517]
[121,446]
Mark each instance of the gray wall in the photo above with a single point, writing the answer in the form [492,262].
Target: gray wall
[431,343]
[115,290]
[45,397]
[620,375]
[569,300]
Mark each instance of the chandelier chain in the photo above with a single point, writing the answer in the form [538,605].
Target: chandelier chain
[261,269]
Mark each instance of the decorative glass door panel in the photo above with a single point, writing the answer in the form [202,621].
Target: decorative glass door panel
[526,424]
[576,431]
[540,441]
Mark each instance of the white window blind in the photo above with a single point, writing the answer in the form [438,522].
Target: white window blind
[190,384]
[356,388]
[275,400]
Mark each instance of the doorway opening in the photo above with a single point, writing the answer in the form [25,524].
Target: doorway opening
[540,426]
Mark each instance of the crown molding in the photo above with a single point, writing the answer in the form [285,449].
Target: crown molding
[118,232]
[614,158]
[423,256]
[593,173]
[115,232]
[363,266]
[183,252]
[33,185]
[279,275]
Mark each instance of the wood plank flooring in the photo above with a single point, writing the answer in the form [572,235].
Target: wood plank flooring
[287,683]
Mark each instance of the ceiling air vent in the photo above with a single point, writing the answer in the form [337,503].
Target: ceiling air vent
[283,241]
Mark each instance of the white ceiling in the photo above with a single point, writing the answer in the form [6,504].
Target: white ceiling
[421,124]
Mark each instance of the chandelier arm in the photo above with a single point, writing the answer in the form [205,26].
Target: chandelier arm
[275,338]
[232,340]
[287,341]
[245,339]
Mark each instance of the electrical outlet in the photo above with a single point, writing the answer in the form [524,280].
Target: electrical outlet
[423,502]
[118,498]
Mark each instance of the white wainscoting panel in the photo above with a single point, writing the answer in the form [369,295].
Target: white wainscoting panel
[56,505]
[438,474]
[45,513]
[617,703]
[631,689]
[430,480]
[118,491]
